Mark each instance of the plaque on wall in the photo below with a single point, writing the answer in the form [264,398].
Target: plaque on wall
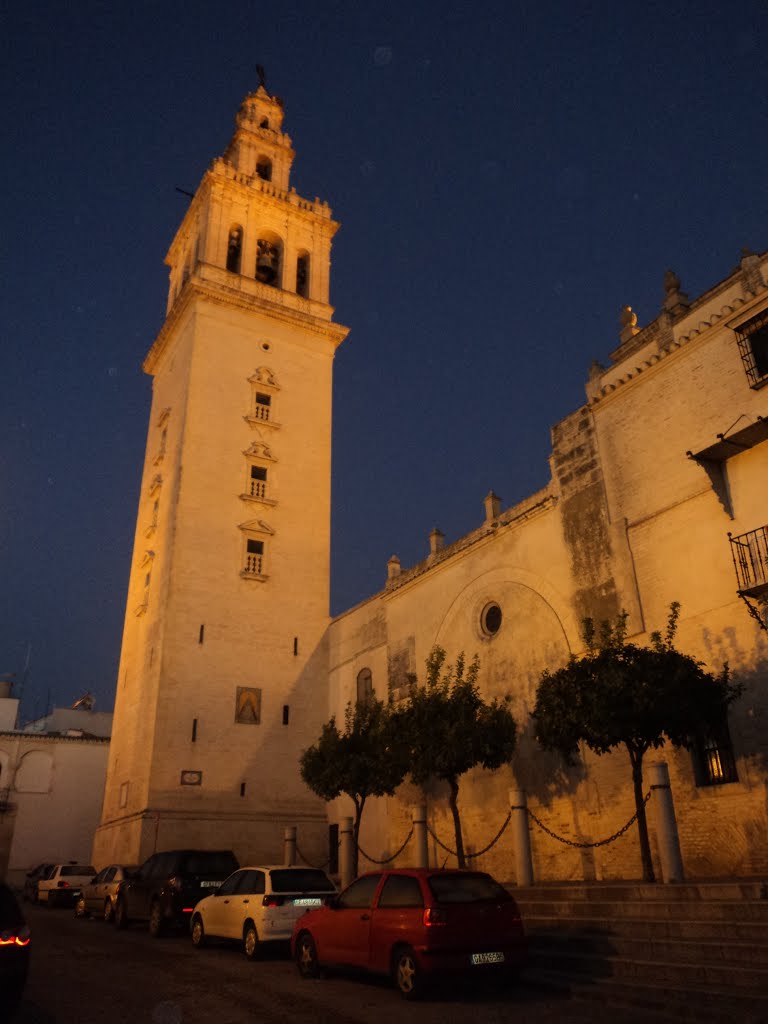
[190,778]
[248,705]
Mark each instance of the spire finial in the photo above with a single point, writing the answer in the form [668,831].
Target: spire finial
[262,75]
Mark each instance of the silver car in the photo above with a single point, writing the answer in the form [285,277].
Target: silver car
[99,896]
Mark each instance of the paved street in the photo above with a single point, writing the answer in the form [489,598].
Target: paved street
[86,972]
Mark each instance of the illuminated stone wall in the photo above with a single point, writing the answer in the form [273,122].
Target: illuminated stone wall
[629,521]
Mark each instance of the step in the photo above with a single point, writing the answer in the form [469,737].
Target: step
[680,974]
[699,910]
[726,889]
[660,1002]
[755,932]
[718,952]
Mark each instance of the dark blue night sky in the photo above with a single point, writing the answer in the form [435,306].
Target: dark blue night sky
[507,176]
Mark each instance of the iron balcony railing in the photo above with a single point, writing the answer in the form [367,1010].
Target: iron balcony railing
[750,559]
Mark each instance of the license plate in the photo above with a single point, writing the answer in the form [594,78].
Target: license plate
[487,958]
[308,901]
[210,885]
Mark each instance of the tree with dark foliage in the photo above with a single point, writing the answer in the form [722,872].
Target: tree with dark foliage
[620,694]
[447,728]
[362,760]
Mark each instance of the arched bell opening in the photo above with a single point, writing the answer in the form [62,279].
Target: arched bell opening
[264,168]
[269,259]
[302,274]
[234,248]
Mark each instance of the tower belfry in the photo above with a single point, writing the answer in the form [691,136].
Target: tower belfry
[222,671]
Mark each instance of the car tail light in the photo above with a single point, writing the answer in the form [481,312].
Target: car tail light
[175,883]
[273,901]
[20,938]
[433,916]
[63,885]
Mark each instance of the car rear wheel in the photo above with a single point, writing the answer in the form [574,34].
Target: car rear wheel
[121,915]
[306,956]
[406,973]
[251,943]
[109,910]
[156,922]
[198,932]
[80,908]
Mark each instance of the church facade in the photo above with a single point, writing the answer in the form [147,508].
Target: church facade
[657,494]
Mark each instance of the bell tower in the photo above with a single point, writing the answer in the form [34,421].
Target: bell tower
[222,679]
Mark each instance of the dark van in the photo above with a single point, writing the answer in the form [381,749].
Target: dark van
[166,887]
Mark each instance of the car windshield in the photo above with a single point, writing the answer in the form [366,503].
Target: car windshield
[300,880]
[469,888]
[217,864]
[78,869]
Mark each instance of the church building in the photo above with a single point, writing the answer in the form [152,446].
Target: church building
[230,661]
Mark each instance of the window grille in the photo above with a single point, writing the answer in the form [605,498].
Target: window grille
[715,761]
[753,348]
[750,558]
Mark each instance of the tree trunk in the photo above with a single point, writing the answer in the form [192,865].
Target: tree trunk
[636,757]
[359,805]
[453,801]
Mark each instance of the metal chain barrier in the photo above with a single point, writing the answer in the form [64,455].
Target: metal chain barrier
[317,867]
[477,853]
[586,846]
[388,859]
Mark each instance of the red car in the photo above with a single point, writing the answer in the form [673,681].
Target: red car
[414,924]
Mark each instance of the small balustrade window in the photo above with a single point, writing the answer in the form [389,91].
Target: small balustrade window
[254,557]
[258,482]
[262,406]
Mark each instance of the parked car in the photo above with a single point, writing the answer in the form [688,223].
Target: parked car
[33,877]
[100,894]
[166,887]
[414,925]
[14,951]
[59,887]
[259,904]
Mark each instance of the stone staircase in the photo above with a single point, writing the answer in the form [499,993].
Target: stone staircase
[694,951]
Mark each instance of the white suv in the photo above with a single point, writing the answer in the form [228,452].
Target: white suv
[59,888]
[259,904]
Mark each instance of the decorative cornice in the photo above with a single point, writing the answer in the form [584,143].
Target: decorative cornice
[218,293]
[726,311]
[535,506]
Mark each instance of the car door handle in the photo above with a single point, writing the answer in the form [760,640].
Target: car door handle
[226,901]
[365,917]
[246,901]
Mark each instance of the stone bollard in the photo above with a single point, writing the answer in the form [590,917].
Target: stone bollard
[521,837]
[289,846]
[346,850]
[421,858]
[666,824]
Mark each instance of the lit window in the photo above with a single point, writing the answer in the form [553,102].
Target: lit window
[714,762]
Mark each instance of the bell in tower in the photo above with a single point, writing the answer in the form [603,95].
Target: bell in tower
[267,262]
